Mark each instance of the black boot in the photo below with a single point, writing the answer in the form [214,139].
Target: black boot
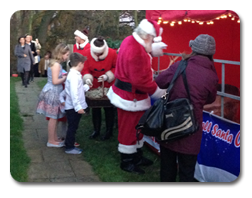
[96,118]
[128,164]
[109,116]
[141,160]
[108,134]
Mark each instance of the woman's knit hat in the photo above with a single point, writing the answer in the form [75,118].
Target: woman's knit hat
[203,44]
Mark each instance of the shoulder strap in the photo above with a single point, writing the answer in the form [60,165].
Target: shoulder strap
[186,85]
[181,68]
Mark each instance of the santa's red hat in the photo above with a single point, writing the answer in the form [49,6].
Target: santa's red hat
[151,27]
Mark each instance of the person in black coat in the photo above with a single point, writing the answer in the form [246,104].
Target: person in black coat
[33,50]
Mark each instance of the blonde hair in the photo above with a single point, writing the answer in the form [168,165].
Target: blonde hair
[58,53]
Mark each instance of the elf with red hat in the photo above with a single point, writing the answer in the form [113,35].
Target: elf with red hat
[134,85]
[100,66]
[82,45]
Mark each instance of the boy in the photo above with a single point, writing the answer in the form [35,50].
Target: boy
[75,103]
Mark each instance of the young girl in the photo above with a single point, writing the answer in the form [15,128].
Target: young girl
[49,103]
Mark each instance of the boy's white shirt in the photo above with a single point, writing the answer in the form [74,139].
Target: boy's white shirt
[74,93]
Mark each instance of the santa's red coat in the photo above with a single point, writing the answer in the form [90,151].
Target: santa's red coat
[134,66]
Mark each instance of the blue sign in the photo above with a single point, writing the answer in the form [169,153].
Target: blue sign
[220,146]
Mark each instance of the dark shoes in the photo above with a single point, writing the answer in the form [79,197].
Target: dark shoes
[128,164]
[94,135]
[131,162]
[141,160]
[108,134]
[144,162]
[132,168]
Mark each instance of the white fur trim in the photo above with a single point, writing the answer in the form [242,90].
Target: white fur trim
[146,26]
[128,105]
[93,55]
[103,56]
[87,76]
[130,149]
[157,39]
[158,93]
[104,50]
[138,39]
[82,45]
[80,34]
[98,49]
[140,144]
[105,53]
[127,149]
[110,75]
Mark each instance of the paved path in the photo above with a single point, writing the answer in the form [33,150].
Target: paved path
[47,164]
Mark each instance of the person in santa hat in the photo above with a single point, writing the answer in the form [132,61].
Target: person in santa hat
[131,93]
[100,66]
[82,45]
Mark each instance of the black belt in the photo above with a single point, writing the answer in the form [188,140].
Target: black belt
[126,86]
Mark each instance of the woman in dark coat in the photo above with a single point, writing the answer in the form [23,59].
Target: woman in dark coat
[202,81]
[24,59]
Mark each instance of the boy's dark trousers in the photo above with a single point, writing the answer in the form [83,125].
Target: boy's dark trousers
[73,119]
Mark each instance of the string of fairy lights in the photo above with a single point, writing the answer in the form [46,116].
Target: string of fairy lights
[188,20]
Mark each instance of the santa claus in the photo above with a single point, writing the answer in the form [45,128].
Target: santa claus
[133,88]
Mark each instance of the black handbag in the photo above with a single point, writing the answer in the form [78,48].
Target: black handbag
[169,120]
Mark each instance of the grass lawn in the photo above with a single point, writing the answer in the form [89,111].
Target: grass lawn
[19,161]
[104,156]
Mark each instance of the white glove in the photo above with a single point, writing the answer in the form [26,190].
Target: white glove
[88,82]
[157,49]
[104,77]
